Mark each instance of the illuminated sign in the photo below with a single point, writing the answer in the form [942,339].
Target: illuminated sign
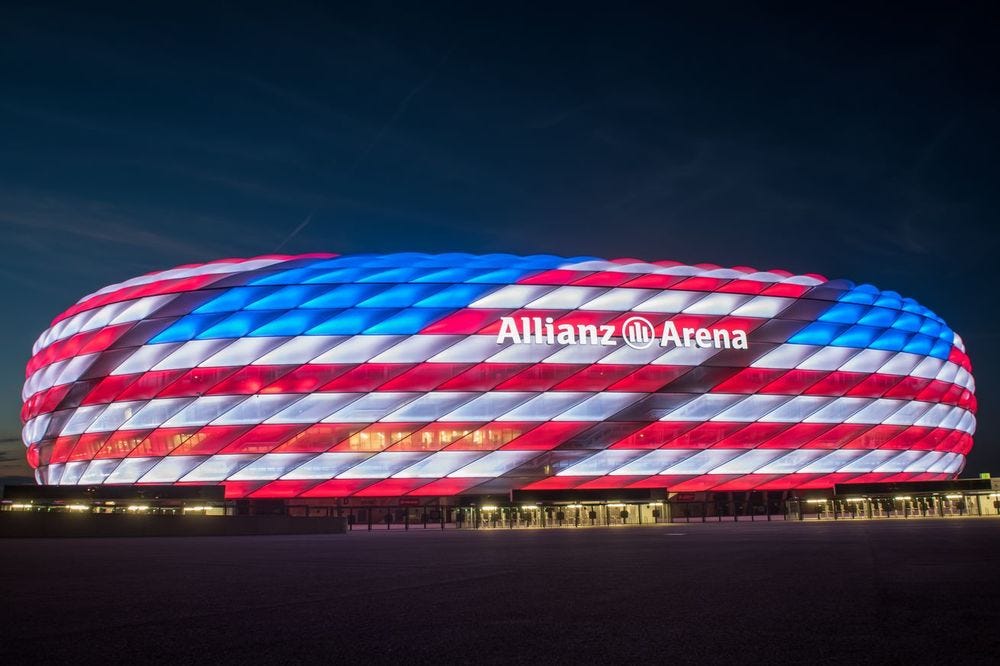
[637,332]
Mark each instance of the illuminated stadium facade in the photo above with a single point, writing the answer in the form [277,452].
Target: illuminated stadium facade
[431,376]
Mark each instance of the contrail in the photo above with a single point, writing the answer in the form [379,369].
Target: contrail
[397,114]
[295,231]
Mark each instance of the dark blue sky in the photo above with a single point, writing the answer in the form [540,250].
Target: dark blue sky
[850,143]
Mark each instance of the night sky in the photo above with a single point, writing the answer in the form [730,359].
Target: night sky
[851,144]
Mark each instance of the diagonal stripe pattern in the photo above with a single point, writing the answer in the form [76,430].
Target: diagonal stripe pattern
[388,375]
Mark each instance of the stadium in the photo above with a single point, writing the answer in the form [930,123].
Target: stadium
[454,375]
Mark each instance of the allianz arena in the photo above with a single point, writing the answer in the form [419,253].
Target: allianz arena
[324,376]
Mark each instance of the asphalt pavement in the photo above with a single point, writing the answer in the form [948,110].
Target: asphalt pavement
[915,591]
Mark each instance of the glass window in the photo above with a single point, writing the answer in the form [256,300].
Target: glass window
[429,407]
[602,462]
[653,462]
[416,348]
[511,296]
[438,465]
[203,410]
[242,352]
[703,407]
[473,349]
[145,358]
[155,413]
[370,407]
[256,409]
[545,406]
[190,354]
[270,466]
[301,349]
[359,349]
[494,464]
[383,465]
[314,407]
[171,468]
[326,465]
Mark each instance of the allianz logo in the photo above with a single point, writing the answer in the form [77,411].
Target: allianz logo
[637,332]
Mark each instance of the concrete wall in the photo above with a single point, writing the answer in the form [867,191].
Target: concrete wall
[32,524]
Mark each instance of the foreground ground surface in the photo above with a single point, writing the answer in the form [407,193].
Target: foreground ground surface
[894,591]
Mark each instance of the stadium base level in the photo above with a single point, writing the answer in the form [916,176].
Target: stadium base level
[519,509]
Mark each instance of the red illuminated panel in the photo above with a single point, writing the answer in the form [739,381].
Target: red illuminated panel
[827,480]
[610,482]
[250,380]
[836,383]
[121,443]
[196,382]
[797,435]
[874,386]
[424,377]
[377,437]
[875,437]
[107,390]
[604,279]
[162,441]
[754,434]
[654,281]
[554,276]
[464,322]
[88,445]
[704,435]
[908,438]
[558,483]
[445,487]
[667,481]
[434,437]
[649,378]
[366,377]
[547,436]
[907,388]
[700,284]
[306,378]
[745,482]
[208,440]
[595,377]
[62,447]
[492,436]
[517,316]
[239,489]
[749,380]
[391,487]
[785,289]
[743,287]
[483,377]
[337,488]
[284,488]
[794,382]
[837,436]
[539,377]
[703,482]
[263,438]
[319,437]
[149,385]
[655,435]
